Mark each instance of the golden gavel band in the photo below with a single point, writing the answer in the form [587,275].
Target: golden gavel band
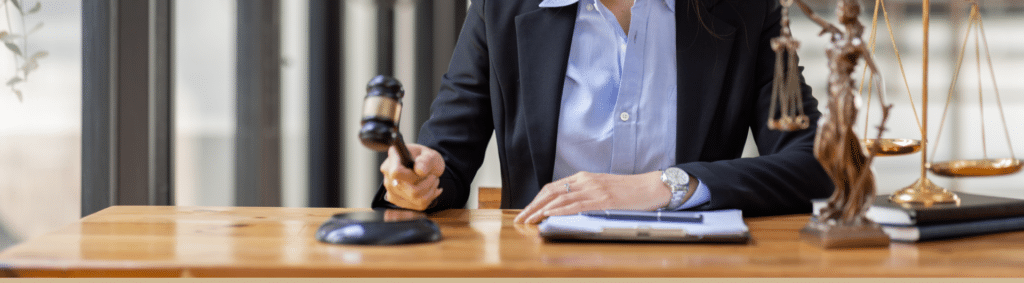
[382,110]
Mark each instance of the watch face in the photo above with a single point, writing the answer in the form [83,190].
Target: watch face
[676,177]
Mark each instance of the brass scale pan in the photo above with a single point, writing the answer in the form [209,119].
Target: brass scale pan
[955,168]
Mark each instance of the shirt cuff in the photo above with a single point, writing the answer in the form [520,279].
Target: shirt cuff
[701,196]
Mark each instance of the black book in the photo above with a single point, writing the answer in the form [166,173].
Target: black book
[972,207]
[953,230]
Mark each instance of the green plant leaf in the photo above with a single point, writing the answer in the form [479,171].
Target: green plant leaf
[17,5]
[13,81]
[13,48]
[36,28]
[39,55]
[35,9]
[29,66]
[8,37]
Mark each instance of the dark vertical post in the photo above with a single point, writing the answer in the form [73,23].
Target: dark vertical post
[98,50]
[438,24]
[385,37]
[258,138]
[127,122]
[385,50]
[326,82]
[132,81]
[426,82]
[161,181]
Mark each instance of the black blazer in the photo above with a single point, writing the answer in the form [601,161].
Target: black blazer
[506,76]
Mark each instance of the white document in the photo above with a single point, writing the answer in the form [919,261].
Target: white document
[715,226]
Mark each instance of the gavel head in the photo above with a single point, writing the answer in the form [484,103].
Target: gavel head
[382,110]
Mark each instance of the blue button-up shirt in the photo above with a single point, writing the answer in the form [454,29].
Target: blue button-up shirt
[618,111]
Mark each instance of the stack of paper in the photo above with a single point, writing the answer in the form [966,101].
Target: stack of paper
[711,226]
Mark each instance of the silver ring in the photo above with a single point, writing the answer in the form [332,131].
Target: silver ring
[567,188]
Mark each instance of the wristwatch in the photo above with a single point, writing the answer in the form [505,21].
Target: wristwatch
[678,182]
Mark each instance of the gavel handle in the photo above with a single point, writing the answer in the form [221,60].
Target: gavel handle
[403,151]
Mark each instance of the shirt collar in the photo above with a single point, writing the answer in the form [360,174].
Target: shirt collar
[671,4]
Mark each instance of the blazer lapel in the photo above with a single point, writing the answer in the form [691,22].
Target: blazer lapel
[544,38]
[702,59]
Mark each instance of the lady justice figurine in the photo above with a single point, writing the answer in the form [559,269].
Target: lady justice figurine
[842,223]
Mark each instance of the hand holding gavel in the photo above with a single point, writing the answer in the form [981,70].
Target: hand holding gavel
[411,172]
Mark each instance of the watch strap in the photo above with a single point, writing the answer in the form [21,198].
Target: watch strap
[680,196]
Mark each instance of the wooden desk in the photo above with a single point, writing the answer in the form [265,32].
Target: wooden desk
[240,242]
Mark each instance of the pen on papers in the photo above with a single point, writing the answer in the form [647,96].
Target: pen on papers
[656,216]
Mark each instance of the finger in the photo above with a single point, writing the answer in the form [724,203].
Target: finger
[530,208]
[398,200]
[405,190]
[424,202]
[415,149]
[538,214]
[419,204]
[437,190]
[425,187]
[575,183]
[393,188]
[560,201]
[403,174]
[422,193]
[565,200]
[548,193]
[429,163]
[395,170]
[437,194]
[573,208]
[387,165]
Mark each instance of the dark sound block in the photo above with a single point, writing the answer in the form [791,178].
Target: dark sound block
[379,228]
[834,236]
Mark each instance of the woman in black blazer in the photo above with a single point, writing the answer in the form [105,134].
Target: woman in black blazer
[507,74]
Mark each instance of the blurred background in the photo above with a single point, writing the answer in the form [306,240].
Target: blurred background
[307,99]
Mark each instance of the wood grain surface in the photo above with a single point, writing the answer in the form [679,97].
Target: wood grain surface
[489,198]
[163,241]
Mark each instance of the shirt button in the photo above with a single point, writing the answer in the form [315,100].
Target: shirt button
[624,116]
[590,7]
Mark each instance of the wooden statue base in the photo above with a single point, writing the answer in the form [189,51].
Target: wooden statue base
[831,236]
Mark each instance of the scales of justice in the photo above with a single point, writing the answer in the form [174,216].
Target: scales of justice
[847,158]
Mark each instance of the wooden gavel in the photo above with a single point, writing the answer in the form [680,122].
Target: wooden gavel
[382,109]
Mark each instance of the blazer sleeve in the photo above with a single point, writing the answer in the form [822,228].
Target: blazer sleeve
[460,123]
[786,176]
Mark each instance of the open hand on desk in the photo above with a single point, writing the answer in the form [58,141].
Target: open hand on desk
[592,191]
[413,188]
